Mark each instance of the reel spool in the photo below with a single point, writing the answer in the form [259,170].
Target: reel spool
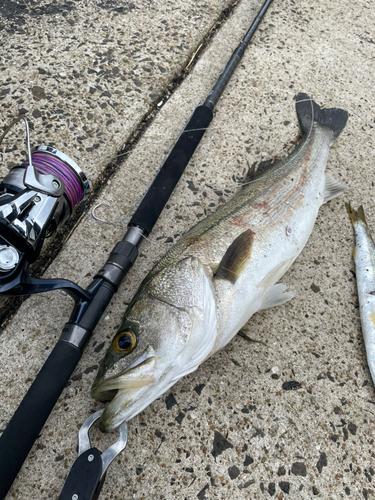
[36,199]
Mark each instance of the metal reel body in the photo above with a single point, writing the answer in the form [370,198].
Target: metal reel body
[28,216]
[36,199]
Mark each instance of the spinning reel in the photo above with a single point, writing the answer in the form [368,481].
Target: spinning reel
[36,199]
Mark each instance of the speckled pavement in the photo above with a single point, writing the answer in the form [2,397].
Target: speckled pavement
[235,428]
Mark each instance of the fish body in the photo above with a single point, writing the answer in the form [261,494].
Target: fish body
[208,285]
[364,258]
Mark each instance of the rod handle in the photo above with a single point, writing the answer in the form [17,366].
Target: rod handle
[157,196]
[27,422]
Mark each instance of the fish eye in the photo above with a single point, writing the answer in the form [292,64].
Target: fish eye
[124,342]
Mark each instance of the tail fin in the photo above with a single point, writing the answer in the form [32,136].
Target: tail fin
[309,112]
[356,215]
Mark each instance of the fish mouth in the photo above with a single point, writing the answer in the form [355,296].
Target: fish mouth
[136,376]
[121,389]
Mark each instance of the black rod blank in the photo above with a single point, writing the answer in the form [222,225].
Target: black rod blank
[215,93]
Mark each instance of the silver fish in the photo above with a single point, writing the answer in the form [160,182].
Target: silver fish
[208,285]
[364,258]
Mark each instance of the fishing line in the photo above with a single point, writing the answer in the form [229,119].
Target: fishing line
[302,152]
[93,212]
[128,214]
[153,242]
[45,163]
[122,154]
[163,136]
[254,8]
[138,201]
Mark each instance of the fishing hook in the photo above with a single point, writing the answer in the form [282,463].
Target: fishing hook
[97,218]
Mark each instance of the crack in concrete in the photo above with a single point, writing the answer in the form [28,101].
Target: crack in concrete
[9,306]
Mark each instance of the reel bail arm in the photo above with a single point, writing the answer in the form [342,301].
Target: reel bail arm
[48,184]
[37,198]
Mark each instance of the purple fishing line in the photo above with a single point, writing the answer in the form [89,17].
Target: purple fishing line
[48,164]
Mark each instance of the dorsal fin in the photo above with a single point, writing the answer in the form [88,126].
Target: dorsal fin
[258,169]
[236,256]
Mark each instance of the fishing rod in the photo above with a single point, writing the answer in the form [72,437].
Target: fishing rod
[35,200]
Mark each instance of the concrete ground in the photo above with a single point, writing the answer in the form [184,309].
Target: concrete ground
[86,74]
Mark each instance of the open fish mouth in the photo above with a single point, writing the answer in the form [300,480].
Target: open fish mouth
[123,389]
[140,374]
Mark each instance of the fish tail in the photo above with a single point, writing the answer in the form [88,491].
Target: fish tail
[309,112]
[356,215]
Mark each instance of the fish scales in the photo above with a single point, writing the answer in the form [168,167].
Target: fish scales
[262,203]
[209,284]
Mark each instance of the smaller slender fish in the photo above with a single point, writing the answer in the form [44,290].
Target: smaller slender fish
[364,258]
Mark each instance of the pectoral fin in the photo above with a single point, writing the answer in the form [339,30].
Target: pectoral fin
[236,257]
[332,188]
